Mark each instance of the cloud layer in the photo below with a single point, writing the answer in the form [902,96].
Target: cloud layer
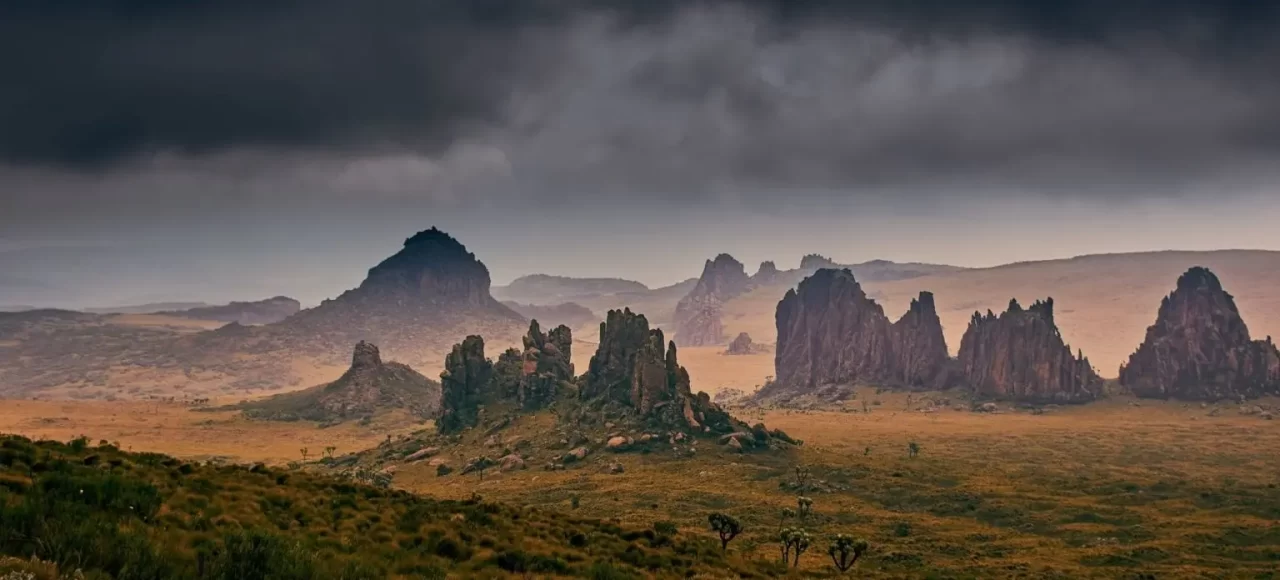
[552,102]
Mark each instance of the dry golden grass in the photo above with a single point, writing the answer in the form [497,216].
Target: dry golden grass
[183,432]
[1104,491]
[1103,304]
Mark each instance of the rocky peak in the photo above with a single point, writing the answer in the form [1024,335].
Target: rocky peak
[831,333]
[432,266]
[1020,355]
[723,277]
[464,384]
[741,345]
[545,363]
[622,334]
[698,315]
[768,273]
[365,356]
[1200,348]
[815,262]
[919,346]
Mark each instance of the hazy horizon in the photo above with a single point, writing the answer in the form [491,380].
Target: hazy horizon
[156,153]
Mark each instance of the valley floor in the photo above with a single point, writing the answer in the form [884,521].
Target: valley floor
[1108,490]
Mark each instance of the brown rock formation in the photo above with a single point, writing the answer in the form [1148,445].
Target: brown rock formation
[697,315]
[545,364]
[369,386]
[465,380]
[635,368]
[830,333]
[741,345]
[767,274]
[920,350]
[1019,355]
[1199,348]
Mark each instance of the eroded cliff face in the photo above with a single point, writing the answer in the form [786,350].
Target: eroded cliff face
[465,380]
[1199,348]
[919,348]
[1020,356]
[830,333]
[698,315]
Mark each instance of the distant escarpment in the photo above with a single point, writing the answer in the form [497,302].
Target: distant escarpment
[370,386]
[258,312]
[413,305]
[698,315]
[1199,348]
[570,314]
[831,336]
[1020,355]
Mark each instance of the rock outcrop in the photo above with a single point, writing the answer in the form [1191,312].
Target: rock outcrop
[832,336]
[768,273]
[260,312]
[1199,348]
[466,380]
[919,348]
[1020,356]
[635,369]
[545,365]
[811,263]
[697,316]
[368,387]
[741,345]
[830,333]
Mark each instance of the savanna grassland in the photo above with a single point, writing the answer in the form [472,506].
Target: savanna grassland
[1106,491]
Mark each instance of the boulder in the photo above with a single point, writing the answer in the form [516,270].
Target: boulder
[1199,348]
[576,454]
[618,443]
[616,468]
[443,470]
[734,444]
[511,462]
[1020,356]
[421,454]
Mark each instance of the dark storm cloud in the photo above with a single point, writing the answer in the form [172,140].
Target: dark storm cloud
[542,98]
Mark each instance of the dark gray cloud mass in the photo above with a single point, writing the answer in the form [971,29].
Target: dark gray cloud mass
[557,101]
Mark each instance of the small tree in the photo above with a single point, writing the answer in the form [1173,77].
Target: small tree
[793,542]
[727,526]
[304,454]
[802,476]
[845,551]
[866,451]
[913,449]
[799,544]
[328,451]
[805,507]
[786,514]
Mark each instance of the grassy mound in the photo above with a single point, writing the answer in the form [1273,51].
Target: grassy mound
[114,514]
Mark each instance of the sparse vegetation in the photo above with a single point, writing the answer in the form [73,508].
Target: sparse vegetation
[727,527]
[845,551]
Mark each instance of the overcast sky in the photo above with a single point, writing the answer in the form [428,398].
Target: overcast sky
[236,149]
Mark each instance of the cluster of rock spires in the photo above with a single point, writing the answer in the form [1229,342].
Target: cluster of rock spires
[698,315]
[1199,348]
[1020,355]
[832,336]
[369,386]
[636,369]
[530,380]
